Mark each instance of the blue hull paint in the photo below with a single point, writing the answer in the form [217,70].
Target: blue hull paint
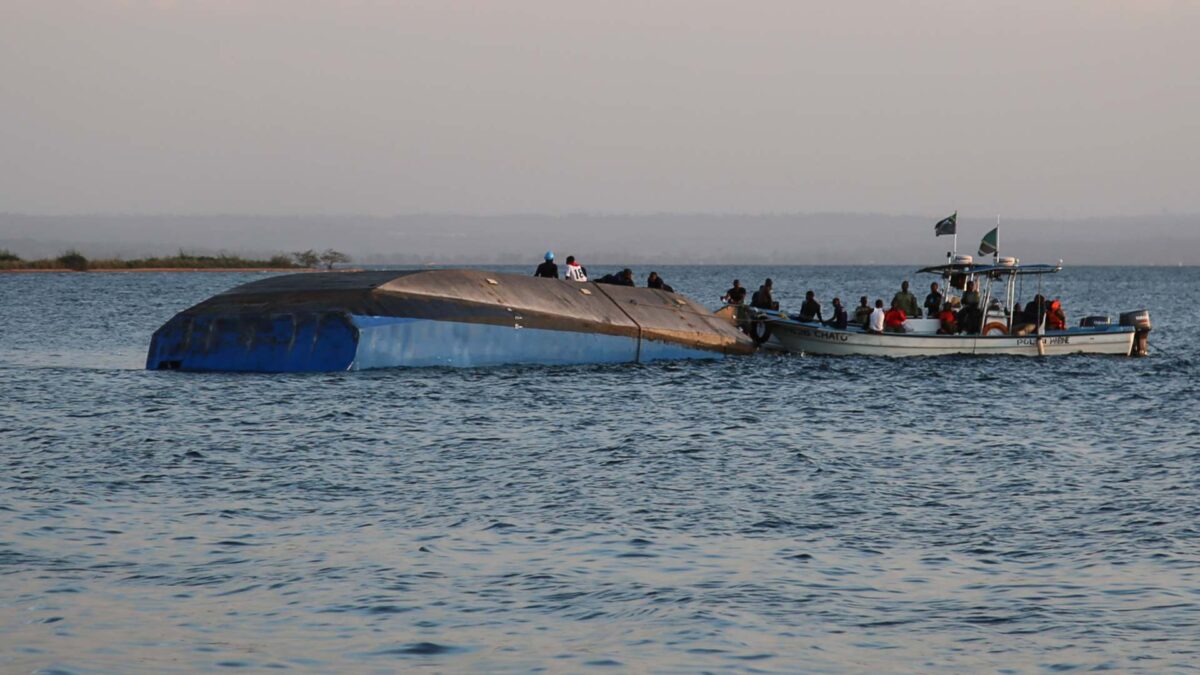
[386,342]
[287,343]
[330,342]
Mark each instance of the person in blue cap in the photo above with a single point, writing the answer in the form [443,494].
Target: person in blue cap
[547,269]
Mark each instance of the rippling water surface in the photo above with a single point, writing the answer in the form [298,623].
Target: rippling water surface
[767,513]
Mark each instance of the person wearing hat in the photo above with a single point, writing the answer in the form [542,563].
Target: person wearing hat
[547,269]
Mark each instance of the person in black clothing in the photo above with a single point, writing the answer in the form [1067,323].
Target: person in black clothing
[933,301]
[1035,312]
[655,281]
[735,295]
[547,269]
[839,320]
[810,310]
[762,297]
[622,278]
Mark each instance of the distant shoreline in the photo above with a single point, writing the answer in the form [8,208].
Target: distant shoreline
[156,269]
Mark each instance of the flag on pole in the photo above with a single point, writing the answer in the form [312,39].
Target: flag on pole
[988,245]
[947,225]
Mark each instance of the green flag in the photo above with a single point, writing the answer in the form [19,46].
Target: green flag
[988,246]
[947,225]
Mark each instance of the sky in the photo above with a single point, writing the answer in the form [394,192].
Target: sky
[1031,109]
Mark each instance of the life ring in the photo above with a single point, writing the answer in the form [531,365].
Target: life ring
[760,331]
[995,326]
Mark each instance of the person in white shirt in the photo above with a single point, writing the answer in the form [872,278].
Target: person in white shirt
[575,271]
[875,325]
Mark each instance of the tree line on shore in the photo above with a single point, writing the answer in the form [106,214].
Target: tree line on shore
[76,261]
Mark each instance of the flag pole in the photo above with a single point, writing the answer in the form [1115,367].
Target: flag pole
[996,254]
[955,253]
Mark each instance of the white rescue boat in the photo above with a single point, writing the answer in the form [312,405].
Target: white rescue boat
[994,334]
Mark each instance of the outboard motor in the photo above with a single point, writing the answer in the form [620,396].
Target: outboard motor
[1140,320]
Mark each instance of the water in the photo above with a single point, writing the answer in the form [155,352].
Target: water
[769,513]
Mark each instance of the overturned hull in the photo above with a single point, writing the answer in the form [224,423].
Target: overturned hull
[464,318]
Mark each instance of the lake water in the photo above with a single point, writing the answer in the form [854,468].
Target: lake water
[768,513]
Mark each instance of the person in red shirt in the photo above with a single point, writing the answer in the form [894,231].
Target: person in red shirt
[949,322]
[893,320]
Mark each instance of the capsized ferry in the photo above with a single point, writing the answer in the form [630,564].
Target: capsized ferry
[994,334]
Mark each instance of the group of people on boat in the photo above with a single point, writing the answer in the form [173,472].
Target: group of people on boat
[577,272]
[955,315]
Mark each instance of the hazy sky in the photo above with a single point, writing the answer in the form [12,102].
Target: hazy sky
[1038,108]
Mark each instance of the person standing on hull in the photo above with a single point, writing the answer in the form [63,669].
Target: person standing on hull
[810,310]
[839,320]
[762,297]
[933,301]
[575,271]
[547,269]
[907,302]
[735,295]
[862,314]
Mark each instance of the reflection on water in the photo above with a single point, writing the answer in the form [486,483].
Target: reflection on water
[769,513]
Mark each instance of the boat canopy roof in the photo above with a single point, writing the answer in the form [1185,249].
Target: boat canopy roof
[995,270]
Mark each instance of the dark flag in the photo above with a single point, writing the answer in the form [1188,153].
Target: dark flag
[988,246]
[946,225]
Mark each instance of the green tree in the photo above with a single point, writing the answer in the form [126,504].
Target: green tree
[331,257]
[73,260]
[8,256]
[309,258]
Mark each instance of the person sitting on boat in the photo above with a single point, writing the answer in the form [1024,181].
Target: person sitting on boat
[547,269]
[655,281]
[1034,314]
[948,322]
[862,314]
[1019,325]
[735,295]
[575,271]
[893,320]
[810,309]
[875,323]
[907,302]
[839,320]
[1056,318]
[933,301]
[762,297]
